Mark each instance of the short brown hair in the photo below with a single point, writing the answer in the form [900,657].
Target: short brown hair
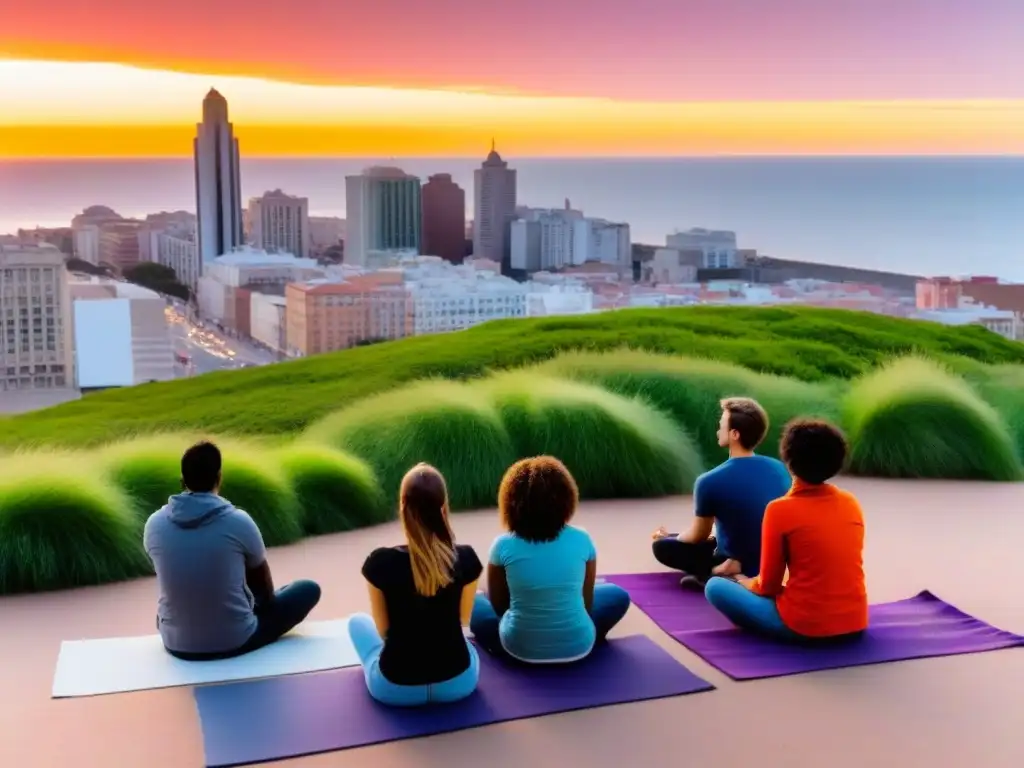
[537,498]
[813,449]
[748,418]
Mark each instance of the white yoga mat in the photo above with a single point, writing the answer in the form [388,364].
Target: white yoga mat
[122,664]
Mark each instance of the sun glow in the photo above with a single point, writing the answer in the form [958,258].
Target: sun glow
[57,109]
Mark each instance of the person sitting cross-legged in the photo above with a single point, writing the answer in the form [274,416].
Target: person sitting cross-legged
[412,649]
[730,498]
[217,597]
[543,604]
[816,532]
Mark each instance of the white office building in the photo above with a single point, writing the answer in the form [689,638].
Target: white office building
[279,222]
[553,239]
[447,297]
[252,266]
[268,320]
[218,182]
[121,335]
[569,297]
[604,242]
[717,246]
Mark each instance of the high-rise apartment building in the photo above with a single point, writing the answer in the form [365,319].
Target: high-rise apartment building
[444,219]
[36,350]
[494,193]
[383,212]
[218,181]
[279,222]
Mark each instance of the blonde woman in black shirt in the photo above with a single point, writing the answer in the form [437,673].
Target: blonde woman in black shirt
[412,647]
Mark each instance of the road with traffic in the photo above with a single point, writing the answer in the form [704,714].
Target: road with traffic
[201,349]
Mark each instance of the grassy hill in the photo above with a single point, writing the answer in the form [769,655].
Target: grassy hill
[628,400]
[808,344]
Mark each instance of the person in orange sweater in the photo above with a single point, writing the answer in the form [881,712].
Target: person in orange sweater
[816,531]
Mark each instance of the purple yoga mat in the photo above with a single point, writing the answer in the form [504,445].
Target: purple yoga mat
[273,719]
[919,627]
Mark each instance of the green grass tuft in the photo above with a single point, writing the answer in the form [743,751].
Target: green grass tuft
[614,446]
[149,471]
[336,491]
[690,391]
[915,419]
[803,343]
[449,425]
[62,525]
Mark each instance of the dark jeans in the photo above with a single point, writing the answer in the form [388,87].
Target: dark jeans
[695,559]
[609,606]
[289,607]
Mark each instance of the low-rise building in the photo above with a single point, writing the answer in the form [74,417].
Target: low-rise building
[268,320]
[327,315]
[121,334]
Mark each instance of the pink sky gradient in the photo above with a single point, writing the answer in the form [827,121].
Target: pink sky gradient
[685,50]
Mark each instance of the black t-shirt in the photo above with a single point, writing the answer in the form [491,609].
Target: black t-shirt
[425,643]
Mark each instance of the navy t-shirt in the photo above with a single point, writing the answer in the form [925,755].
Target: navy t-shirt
[735,494]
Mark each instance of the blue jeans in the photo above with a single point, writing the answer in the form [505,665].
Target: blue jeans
[368,645]
[747,610]
[609,606]
[289,608]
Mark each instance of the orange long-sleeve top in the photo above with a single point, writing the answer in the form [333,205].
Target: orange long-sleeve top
[817,533]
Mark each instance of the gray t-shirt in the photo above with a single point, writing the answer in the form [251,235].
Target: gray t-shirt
[201,547]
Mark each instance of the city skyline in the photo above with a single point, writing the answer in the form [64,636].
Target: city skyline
[910,77]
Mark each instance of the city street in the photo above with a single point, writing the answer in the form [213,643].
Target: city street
[202,350]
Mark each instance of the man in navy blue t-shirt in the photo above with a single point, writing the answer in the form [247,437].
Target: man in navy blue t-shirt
[729,501]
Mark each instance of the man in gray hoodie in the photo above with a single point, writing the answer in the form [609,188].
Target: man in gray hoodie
[217,597]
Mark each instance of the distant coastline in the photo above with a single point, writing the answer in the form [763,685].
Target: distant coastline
[905,215]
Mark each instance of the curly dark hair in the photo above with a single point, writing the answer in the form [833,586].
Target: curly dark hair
[537,498]
[813,449]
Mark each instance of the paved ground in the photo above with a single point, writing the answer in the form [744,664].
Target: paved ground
[960,540]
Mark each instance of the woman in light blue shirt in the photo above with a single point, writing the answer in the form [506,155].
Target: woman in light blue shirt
[542,604]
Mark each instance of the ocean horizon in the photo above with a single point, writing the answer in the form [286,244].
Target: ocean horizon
[922,214]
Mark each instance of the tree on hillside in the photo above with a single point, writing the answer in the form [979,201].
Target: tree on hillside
[157,277]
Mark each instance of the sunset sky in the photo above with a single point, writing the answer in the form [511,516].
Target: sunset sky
[94,78]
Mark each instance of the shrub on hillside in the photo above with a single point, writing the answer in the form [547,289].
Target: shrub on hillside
[336,491]
[449,425]
[615,447]
[690,391]
[914,419]
[149,471]
[1002,387]
[62,526]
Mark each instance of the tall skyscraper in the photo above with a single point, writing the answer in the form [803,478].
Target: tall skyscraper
[36,349]
[279,222]
[494,208]
[383,213]
[218,183]
[444,218]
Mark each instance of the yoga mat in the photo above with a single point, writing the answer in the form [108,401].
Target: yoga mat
[122,664]
[286,717]
[919,627]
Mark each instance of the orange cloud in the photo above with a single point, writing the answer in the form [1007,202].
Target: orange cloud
[56,109]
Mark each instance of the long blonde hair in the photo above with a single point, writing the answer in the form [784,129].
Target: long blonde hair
[423,509]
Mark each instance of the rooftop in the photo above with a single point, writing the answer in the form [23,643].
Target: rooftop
[247,256]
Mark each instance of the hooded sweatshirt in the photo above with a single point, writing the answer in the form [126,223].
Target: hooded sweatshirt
[201,547]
